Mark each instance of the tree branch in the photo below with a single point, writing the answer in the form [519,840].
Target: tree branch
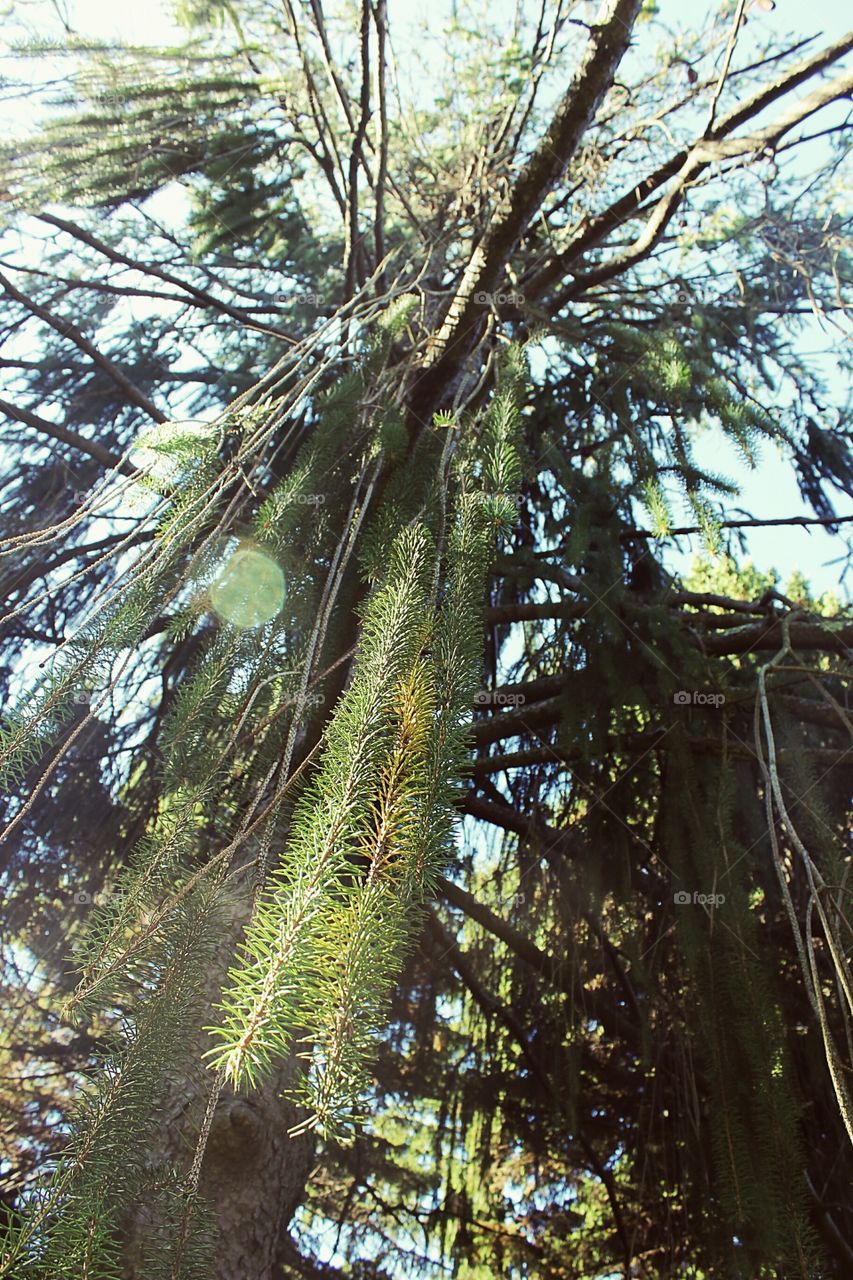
[70,331]
[380,18]
[803,521]
[459,333]
[517,942]
[196,297]
[699,158]
[510,724]
[489,1004]
[534,611]
[835,638]
[351,272]
[833,635]
[97,451]
[33,572]
[632,201]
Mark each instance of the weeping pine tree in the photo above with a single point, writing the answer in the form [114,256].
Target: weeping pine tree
[413,863]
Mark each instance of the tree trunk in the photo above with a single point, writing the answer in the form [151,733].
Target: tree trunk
[253,1174]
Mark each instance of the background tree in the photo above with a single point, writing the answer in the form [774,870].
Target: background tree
[344,400]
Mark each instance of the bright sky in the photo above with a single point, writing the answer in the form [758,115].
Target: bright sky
[770,491]
[145,22]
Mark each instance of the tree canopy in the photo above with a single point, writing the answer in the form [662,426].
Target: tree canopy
[411,867]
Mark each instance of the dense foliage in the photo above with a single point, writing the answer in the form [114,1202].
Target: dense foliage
[359,390]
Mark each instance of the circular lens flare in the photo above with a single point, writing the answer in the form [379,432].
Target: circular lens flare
[250,589]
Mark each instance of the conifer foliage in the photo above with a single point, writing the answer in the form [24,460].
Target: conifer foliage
[402,847]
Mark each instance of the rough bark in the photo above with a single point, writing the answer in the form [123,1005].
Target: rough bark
[254,1176]
[254,1173]
[457,337]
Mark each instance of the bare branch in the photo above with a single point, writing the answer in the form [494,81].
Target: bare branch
[727,62]
[70,331]
[198,297]
[353,276]
[72,438]
[803,521]
[380,17]
[629,204]
[702,155]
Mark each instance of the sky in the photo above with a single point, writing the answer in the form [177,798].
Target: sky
[768,492]
[145,22]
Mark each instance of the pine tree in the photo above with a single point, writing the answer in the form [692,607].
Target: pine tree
[401,438]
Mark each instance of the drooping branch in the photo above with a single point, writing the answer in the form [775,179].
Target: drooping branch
[450,950]
[561,975]
[517,942]
[492,1007]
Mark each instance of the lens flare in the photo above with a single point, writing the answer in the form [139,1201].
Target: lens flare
[250,589]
